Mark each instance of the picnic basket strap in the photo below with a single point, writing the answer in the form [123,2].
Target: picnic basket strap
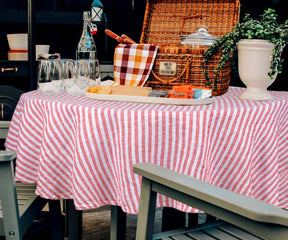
[165,82]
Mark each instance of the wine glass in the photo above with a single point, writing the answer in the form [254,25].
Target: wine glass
[44,81]
[87,74]
[57,74]
[94,72]
[82,74]
[68,73]
[50,76]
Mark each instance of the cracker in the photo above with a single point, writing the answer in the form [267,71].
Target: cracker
[100,89]
[131,90]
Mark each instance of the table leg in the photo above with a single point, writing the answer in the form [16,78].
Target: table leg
[118,224]
[73,221]
[56,219]
[172,219]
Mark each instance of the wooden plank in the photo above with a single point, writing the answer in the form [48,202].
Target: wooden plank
[199,227]
[26,190]
[181,237]
[218,234]
[199,235]
[23,207]
[207,193]
[26,185]
[25,196]
[238,232]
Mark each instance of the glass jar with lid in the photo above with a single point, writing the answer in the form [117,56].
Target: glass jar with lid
[201,38]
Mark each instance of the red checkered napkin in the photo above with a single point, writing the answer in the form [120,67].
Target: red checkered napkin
[133,63]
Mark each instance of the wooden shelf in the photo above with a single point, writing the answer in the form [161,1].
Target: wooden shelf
[14,62]
[42,17]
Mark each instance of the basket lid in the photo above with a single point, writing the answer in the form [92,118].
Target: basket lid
[166,20]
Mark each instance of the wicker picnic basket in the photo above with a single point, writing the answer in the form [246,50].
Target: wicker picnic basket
[166,20]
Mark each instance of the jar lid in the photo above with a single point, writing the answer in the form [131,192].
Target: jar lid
[201,37]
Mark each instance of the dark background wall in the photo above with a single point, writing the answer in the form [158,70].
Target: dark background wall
[124,16]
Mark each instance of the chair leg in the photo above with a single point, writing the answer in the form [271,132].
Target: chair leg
[146,215]
[9,202]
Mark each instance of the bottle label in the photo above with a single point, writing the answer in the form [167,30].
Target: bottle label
[94,29]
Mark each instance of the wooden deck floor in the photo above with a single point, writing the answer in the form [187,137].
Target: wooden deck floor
[96,224]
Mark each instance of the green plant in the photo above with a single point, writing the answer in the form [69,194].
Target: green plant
[266,28]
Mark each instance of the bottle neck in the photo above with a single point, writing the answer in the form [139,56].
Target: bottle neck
[86,48]
[86,27]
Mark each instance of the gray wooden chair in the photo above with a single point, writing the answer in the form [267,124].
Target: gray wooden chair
[19,205]
[241,217]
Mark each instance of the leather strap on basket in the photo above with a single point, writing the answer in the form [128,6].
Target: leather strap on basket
[166,82]
[192,16]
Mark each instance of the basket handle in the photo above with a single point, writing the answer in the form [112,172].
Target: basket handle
[192,16]
[166,82]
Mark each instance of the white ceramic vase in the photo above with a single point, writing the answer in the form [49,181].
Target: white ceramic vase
[254,64]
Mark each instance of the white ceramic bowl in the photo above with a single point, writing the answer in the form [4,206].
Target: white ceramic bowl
[42,49]
[17,56]
[18,41]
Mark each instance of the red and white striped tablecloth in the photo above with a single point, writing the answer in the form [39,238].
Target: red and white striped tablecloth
[83,149]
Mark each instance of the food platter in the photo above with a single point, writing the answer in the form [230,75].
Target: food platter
[155,100]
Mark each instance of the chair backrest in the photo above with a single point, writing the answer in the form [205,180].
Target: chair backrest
[257,217]
[4,127]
